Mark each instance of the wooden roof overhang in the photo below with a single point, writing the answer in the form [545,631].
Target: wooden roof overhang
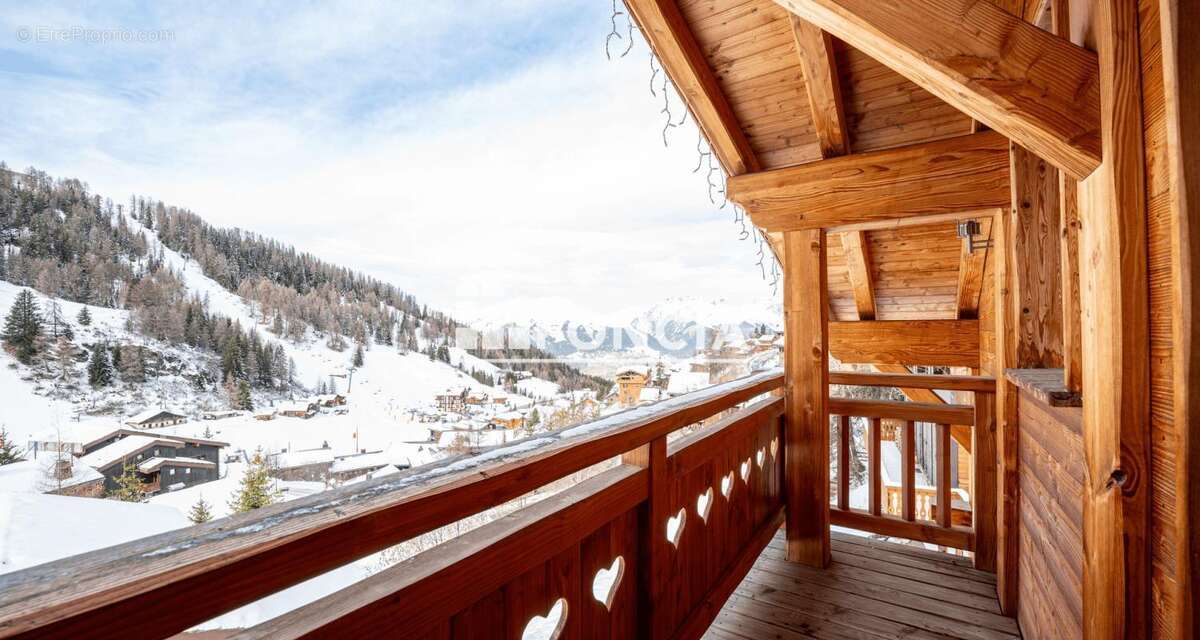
[870,119]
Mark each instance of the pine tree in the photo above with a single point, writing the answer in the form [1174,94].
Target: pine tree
[357,360]
[129,486]
[243,396]
[200,512]
[23,327]
[100,371]
[9,451]
[84,318]
[255,491]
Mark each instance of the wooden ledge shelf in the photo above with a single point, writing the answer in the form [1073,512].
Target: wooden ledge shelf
[1046,385]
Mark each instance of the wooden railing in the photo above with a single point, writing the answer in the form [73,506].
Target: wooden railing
[651,547]
[924,513]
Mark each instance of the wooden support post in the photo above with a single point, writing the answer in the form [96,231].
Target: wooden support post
[874,473]
[843,498]
[1181,86]
[983,481]
[806,460]
[1114,298]
[908,471]
[943,475]
[1007,486]
[1034,264]
[653,547]
[1072,330]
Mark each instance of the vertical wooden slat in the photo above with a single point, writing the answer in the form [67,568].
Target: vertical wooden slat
[843,462]
[943,472]
[983,481]
[908,471]
[874,475]
[1114,296]
[653,554]
[806,303]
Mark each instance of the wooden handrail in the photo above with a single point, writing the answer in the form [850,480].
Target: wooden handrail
[983,384]
[917,411]
[904,519]
[105,593]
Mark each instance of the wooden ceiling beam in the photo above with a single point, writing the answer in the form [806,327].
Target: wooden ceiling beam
[824,90]
[1036,88]
[952,176]
[858,268]
[938,343]
[671,39]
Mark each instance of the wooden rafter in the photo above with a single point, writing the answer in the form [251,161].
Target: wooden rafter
[824,91]
[671,39]
[952,176]
[1036,88]
[858,267]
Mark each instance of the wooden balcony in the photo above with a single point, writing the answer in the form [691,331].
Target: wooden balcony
[871,589]
[655,541]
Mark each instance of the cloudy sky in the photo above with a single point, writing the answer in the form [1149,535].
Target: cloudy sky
[483,155]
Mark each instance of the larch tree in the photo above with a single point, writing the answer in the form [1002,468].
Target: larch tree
[129,486]
[255,491]
[201,512]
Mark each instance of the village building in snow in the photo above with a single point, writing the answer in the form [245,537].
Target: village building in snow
[154,418]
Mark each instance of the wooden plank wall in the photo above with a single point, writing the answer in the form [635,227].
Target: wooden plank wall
[1050,602]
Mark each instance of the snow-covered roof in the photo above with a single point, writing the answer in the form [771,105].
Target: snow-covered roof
[358,461]
[510,415]
[154,464]
[37,475]
[641,370]
[147,414]
[123,448]
[686,382]
[299,407]
[293,459]
[40,528]
[651,394]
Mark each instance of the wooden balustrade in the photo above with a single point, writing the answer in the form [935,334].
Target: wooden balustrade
[902,507]
[651,547]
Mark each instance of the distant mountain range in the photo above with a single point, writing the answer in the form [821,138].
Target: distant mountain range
[675,327]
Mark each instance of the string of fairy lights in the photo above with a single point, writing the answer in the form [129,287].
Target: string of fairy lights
[621,34]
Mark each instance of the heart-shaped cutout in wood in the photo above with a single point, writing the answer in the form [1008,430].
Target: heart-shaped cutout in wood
[774,447]
[759,457]
[604,585]
[746,470]
[675,526]
[704,504]
[549,626]
[727,484]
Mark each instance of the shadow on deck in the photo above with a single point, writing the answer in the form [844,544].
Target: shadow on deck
[872,589]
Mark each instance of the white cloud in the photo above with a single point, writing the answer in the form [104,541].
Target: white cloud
[537,190]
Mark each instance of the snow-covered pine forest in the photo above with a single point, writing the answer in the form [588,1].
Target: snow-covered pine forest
[73,245]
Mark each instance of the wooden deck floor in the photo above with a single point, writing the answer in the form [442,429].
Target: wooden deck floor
[871,590]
